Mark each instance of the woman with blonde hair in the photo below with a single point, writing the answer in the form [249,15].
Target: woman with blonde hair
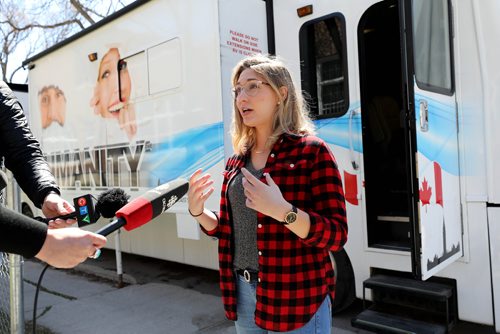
[281,210]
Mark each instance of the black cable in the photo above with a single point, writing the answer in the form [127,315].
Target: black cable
[36,296]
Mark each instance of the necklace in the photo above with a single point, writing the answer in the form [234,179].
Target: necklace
[259,152]
[255,150]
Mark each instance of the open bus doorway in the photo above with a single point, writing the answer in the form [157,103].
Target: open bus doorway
[383,122]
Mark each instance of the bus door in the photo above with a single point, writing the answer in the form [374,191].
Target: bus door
[427,34]
[409,122]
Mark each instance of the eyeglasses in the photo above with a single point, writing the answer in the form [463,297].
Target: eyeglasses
[251,88]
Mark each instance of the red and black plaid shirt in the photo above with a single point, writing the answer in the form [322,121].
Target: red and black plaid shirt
[295,275]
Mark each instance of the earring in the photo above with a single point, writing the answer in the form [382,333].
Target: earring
[279,102]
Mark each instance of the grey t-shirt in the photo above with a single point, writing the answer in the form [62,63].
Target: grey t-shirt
[244,223]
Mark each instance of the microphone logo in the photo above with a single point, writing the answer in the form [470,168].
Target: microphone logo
[166,205]
[81,201]
[172,201]
[85,211]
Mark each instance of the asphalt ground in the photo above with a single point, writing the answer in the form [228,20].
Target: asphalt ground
[154,296]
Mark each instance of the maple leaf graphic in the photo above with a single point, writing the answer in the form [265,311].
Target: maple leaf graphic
[425,193]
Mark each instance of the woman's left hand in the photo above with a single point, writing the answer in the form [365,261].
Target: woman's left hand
[264,198]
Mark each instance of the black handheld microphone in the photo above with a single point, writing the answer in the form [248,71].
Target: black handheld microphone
[88,211]
[85,212]
[146,207]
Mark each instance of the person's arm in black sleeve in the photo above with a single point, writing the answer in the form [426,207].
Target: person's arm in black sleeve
[23,238]
[21,150]
[61,248]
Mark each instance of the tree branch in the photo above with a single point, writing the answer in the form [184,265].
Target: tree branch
[82,11]
[43,26]
[14,72]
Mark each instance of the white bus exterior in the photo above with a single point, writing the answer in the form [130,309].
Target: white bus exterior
[407,101]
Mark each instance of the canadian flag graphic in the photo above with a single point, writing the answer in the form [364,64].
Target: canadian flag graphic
[351,188]
[440,225]
[426,190]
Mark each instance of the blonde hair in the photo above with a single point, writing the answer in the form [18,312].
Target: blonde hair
[292,114]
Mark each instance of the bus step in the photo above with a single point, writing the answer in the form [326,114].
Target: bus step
[388,323]
[398,296]
[396,219]
[431,290]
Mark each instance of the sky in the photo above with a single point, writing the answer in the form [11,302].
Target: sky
[17,58]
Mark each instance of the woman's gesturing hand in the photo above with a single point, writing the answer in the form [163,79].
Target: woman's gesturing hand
[200,188]
[264,198]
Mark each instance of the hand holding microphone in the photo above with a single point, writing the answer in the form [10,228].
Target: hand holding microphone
[66,248]
[129,215]
[61,248]
[60,209]
[87,210]
[86,213]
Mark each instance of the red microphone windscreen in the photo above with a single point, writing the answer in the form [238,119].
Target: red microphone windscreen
[153,203]
[136,213]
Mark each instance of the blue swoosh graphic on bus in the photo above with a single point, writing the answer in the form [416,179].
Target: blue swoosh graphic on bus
[203,147]
[181,154]
[335,131]
[440,142]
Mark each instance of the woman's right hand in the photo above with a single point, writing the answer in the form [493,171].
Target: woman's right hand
[200,188]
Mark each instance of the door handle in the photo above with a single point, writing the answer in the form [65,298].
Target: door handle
[424,116]
[352,154]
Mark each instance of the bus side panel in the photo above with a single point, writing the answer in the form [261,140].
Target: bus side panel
[476,83]
[169,61]
[494,228]
[238,38]
[488,30]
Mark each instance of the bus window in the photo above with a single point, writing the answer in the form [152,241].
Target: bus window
[432,46]
[165,66]
[324,66]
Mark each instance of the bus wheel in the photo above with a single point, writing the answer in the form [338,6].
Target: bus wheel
[345,292]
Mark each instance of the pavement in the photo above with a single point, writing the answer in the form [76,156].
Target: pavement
[154,296]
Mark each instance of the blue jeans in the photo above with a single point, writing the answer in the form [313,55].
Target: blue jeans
[320,323]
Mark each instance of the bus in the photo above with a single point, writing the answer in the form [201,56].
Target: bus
[403,91]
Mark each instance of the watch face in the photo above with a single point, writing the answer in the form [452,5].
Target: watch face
[290,218]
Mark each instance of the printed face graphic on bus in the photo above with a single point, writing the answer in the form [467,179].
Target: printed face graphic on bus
[52,104]
[112,92]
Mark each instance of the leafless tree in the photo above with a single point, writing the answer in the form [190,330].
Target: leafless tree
[31,27]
